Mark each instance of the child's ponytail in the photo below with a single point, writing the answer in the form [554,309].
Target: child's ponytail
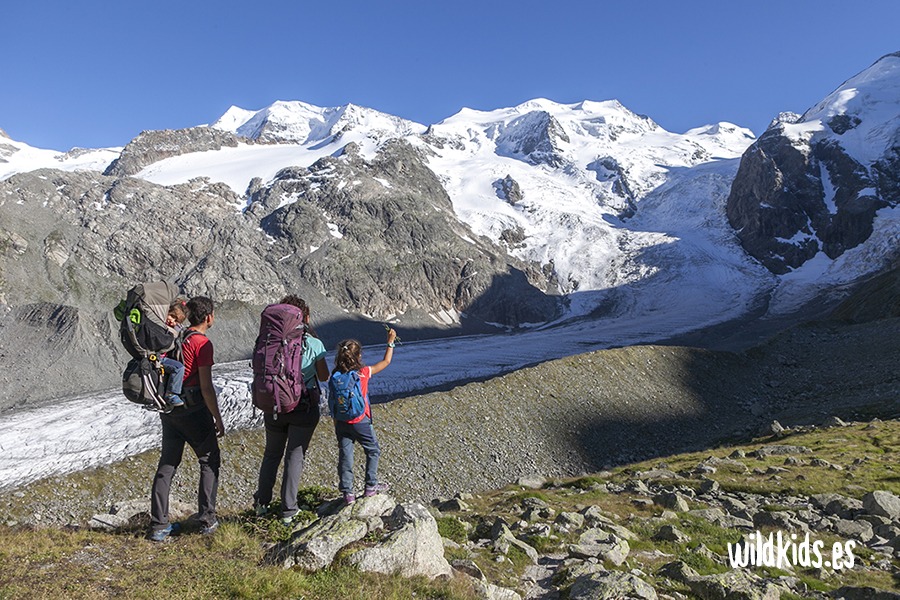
[348,356]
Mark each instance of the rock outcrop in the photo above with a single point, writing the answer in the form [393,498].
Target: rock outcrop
[153,146]
[407,540]
[815,183]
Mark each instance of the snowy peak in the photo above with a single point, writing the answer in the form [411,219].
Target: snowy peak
[301,123]
[863,114]
[19,157]
[837,183]
[535,136]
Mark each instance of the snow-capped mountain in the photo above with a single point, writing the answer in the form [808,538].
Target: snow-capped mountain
[817,197]
[578,169]
[18,157]
[306,124]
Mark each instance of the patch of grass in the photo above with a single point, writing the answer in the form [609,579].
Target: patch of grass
[702,564]
[520,496]
[309,497]
[586,483]
[452,554]
[452,529]
[518,558]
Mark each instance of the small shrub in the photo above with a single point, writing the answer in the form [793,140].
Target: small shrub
[309,497]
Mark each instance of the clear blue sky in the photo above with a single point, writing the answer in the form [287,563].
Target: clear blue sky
[96,73]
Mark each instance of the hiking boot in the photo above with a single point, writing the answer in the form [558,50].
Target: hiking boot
[261,510]
[160,535]
[210,529]
[349,498]
[378,488]
[174,400]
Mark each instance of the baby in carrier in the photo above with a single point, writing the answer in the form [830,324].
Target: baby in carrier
[174,320]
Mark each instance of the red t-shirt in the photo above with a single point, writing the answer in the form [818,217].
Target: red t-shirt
[364,375]
[197,351]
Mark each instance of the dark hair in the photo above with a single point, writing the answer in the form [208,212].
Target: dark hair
[348,356]
[295,301]
[198,308]
[300,303]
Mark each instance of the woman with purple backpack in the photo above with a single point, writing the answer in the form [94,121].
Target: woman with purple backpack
[288,433]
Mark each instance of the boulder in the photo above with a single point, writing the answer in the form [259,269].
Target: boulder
[611,586]
[672,500]
[504,540]
[733,585]
[414,549]
[863,593]
[597,543]
[569,521]
[883,504]
[533,482]
[489,591]
[379,505]
[677,571]
[314,547]
[107,522]
[670,533]
[859,530]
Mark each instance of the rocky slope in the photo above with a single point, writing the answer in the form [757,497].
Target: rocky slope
[646,530]
[386,244]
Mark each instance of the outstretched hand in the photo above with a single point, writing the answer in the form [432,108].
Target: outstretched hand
[391,334]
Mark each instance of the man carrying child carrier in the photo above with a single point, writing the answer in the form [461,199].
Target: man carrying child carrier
[198,424]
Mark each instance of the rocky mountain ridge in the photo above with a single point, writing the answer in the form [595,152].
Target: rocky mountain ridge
[816,182]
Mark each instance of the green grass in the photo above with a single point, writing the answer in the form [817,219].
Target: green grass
[452,529]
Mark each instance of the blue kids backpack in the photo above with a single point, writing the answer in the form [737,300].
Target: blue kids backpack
[345,399]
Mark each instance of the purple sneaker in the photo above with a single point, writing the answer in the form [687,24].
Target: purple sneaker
[349,498]
[378,488]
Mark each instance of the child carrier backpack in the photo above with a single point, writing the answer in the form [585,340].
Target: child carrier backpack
[278,385]
[345,397]
[146,337]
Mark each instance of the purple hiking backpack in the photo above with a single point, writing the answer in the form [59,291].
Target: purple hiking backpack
[278,385]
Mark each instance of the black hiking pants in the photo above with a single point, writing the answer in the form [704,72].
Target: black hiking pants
[196,428]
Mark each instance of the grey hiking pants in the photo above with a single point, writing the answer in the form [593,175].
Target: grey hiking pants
[196,428]
[286,436]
